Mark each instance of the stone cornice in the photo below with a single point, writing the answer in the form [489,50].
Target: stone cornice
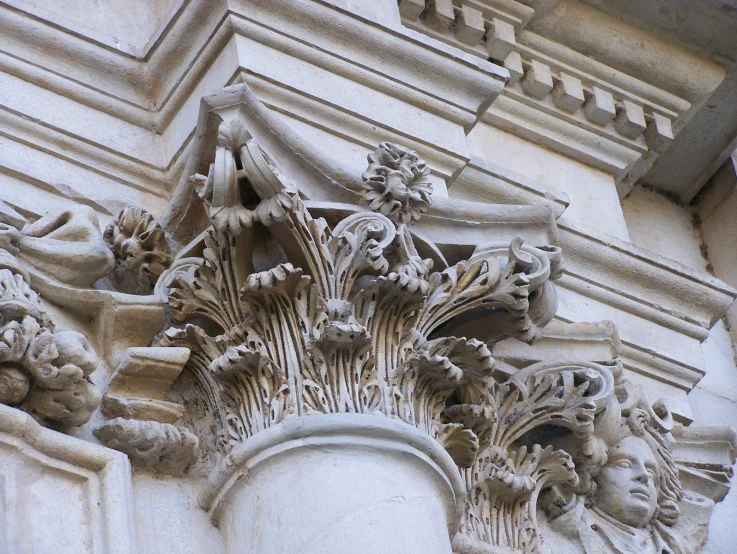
[134,117]
[629,49]
[679,297]
[484,181]
[169,77]
[164,69]
[613,271]
[149,88]
[628,93]
[641,290]
[549,127]
[87,33]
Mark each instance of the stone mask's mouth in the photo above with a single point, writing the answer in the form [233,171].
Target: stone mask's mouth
[640,492]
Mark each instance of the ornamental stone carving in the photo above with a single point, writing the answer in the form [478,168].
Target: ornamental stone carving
[140,248]
[350,319]
[309,340]
[507,474]
[141,421]
[628,497]
[43,371]
[159,447]
[395,183]
[347,325]
[346,320]
[340,331]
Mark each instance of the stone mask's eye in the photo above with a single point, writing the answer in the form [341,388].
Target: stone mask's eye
[623,464]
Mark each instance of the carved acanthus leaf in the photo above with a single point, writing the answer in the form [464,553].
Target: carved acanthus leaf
[159,447]
[460,442]
[505,477]
[347,329]
[211,290]
[500,507]
[356,321]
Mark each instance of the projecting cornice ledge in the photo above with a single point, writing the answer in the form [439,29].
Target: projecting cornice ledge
[635,279]
[662,309]
[578,76]
[457,227]
[129,119]
[148,90]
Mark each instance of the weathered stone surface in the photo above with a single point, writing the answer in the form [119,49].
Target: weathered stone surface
[76,497]
[380,359]
[159,447]
[44,371]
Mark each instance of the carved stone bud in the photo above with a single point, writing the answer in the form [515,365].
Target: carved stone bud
[74,349]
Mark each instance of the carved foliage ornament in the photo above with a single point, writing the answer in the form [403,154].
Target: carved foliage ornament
[353,321]
[346,325]
[43,371]
[506,476]
[140,248]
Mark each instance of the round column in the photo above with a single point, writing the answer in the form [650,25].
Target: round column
[328,484]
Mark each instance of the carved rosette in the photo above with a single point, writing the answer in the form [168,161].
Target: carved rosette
[396,183]
[140,249]
[43,371]
[355,321]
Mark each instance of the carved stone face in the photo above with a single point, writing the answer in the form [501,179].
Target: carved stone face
[627,488]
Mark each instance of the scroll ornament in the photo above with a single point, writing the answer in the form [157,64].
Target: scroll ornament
[509,470]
